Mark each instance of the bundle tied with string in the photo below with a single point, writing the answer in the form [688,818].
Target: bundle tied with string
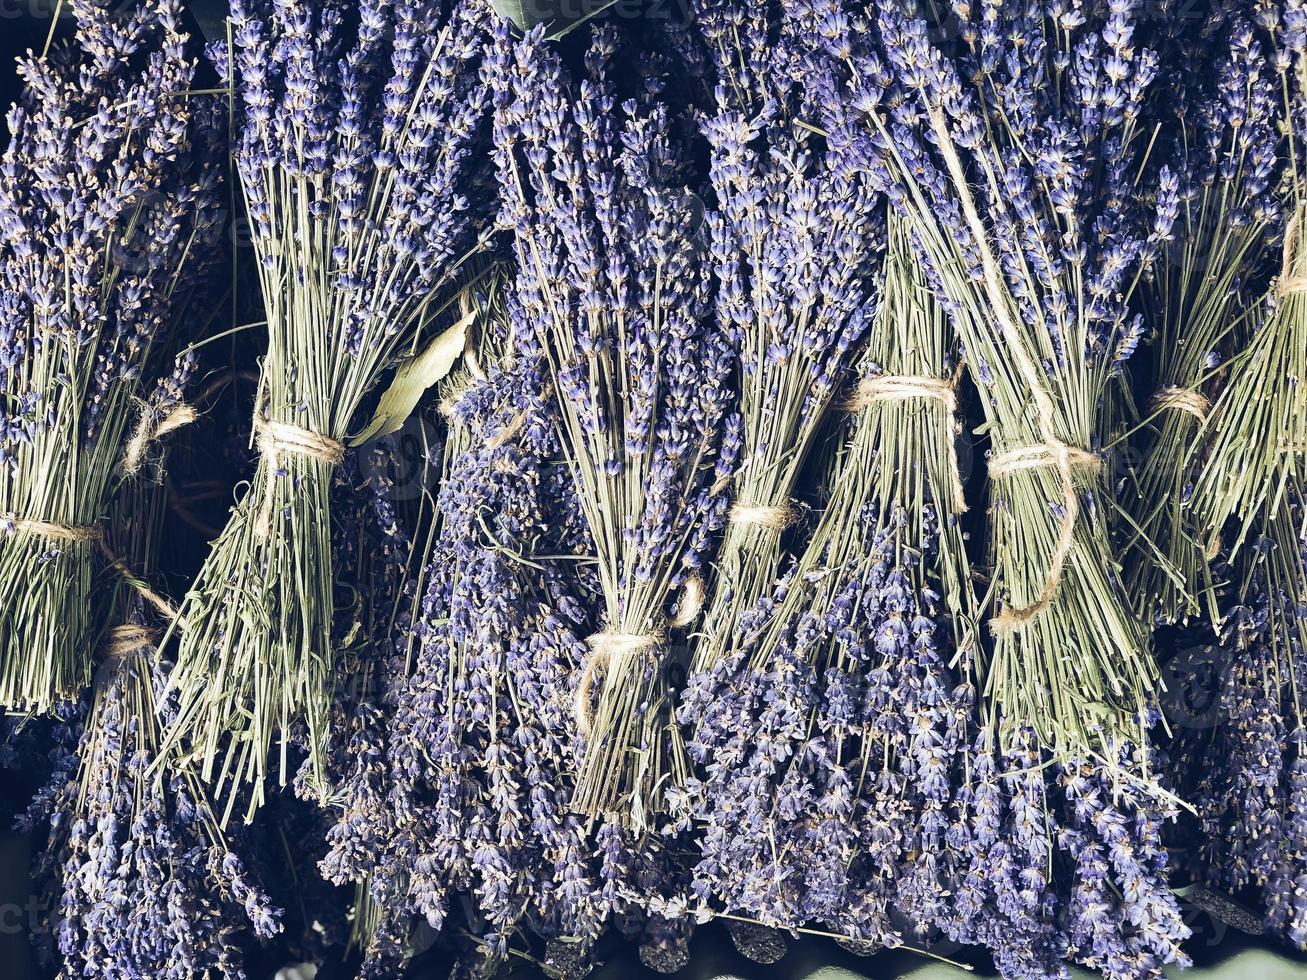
[610,652]
[1065,460]
[879,388]
[275,441]
[258,619]
[1069,658]
[359,255]
[110,187]
[121,643]
[1252,444]
[52,604]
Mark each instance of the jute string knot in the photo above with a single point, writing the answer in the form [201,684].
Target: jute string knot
[1188,400]
[276,439]
[607,651]
[1066,459]
[1289,281]
[900,387]
[120,643]
[904,387]
[50,530]
[151,428]
[124,640]
[768,517]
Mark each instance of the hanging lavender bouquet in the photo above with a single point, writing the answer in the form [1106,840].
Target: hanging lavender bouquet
[794,243]
[827,745]
[141,882]
[358,157]
[1240,754]
[1253,446]
[613,294]
[1200,301]
[470,792]
[1015,164]
[109,202]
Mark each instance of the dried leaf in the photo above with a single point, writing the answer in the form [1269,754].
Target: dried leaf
[414,377]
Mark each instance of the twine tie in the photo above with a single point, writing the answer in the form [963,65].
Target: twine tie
[1066,459]
[275,439]
[769,518]
[50,530]
[905,387]
[605,648]
[1188,400]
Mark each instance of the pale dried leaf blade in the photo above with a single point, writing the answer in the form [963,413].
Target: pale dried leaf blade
[413,378]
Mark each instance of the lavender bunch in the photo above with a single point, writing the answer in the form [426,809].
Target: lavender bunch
[358,157]
[141,879]
[827,744]
[794,243]
[1015,166]
[473,796]
[109,200]
[1199,302]
[614,296]
[1253,445]
[147,885]
[382,546]
[1246,771]
[1061,864]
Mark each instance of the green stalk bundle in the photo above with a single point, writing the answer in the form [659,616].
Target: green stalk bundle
[1253,448]
[796,243]
[357,251]
[1254,445]
[901,460]
[1069,657]
[1196,305]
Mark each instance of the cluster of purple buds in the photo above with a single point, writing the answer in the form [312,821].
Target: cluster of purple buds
[144,886]
[376,115]
[827,759]
[111,209]
[613,296]
[469,791]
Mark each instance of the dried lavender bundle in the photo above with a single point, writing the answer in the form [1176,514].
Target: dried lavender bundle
[377,548]
[364,185]
[1227,163]
[481,746]
[147,884]
[142,880]
[1254,444]
[1015,165]
[794,244]
[109,201]
[1056,864]
[614,294]
[826,744]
